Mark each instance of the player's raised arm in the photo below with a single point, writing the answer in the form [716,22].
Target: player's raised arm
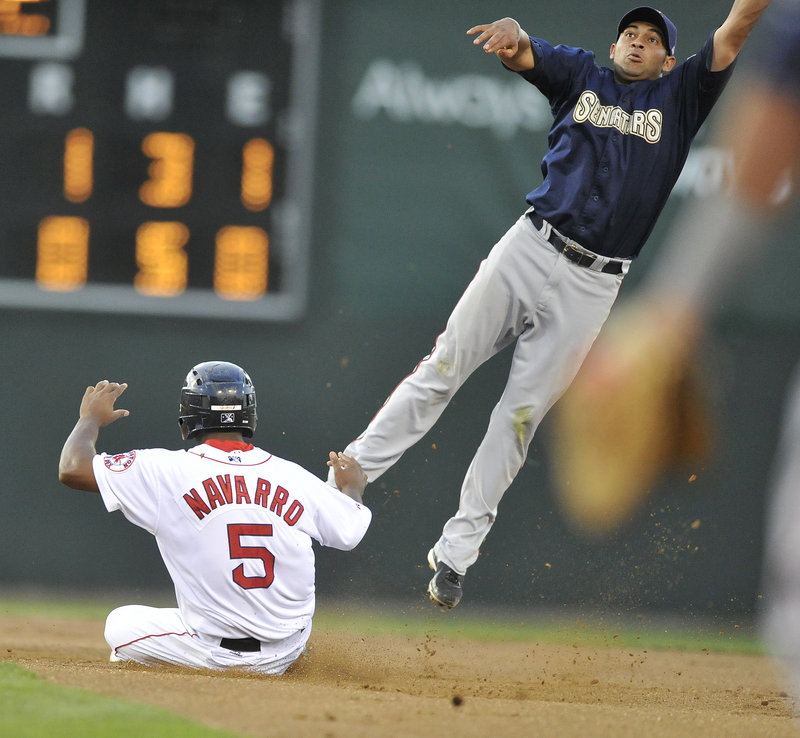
[731,35]
[97,410]
[507,40]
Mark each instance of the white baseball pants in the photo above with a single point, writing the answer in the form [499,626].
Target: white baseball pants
[524,291]
[153,635]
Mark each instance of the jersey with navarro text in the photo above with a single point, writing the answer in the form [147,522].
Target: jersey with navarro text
[234,528]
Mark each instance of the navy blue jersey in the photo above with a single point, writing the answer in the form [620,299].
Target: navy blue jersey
[615,150]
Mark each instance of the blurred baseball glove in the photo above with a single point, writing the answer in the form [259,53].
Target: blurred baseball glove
[637,408]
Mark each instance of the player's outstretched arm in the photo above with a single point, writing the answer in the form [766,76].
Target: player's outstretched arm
[350,477]
[729,38]
[506,39]
[97,410]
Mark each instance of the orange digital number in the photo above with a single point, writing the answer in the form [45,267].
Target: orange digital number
[163,264]
[78,165]
[170,183]
[241,263]
[258,158]
[13,21]
[62,256]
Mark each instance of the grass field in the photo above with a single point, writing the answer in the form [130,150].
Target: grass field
[645,631]
[30,707]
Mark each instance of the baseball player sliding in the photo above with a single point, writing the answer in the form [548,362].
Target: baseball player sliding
[233,524]
[618,142]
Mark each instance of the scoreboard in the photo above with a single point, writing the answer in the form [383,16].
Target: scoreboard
[156,156]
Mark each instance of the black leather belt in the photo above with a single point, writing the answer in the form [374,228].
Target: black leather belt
[241,644]
[575,255]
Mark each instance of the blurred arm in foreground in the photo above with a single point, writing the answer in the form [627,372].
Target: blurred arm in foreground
[656,331]
[637,406]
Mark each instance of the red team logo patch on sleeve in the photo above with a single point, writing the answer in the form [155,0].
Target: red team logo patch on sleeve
[119,462]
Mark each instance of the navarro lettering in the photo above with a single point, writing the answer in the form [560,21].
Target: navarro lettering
[226,490]
[643,123]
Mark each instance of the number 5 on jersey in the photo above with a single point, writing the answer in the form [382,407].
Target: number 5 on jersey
[239,551]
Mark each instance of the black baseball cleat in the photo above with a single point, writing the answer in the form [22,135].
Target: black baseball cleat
[445,587]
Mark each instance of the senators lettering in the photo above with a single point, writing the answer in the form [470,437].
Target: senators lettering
[645,124]
[223,490]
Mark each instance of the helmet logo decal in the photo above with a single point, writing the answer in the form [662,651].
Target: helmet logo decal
[227,418]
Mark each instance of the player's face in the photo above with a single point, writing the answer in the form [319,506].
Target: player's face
[640,53]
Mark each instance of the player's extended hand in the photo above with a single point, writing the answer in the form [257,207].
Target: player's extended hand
[350,477]
[98,402]
[501,37]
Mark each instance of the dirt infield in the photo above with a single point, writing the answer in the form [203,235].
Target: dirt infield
[352,685]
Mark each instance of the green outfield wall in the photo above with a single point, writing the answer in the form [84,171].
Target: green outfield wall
[423,152]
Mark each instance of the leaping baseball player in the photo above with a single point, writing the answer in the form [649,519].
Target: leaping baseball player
[619,139]
[233,523]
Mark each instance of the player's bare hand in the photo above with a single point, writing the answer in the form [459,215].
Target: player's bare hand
[501,37]
[350,477]
[98,402]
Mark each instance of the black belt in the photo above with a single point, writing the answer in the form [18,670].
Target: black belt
[241,644]
[563,246]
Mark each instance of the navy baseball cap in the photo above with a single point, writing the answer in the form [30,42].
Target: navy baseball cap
[657,18]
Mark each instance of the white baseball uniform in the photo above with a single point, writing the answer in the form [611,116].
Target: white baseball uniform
[234,525]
